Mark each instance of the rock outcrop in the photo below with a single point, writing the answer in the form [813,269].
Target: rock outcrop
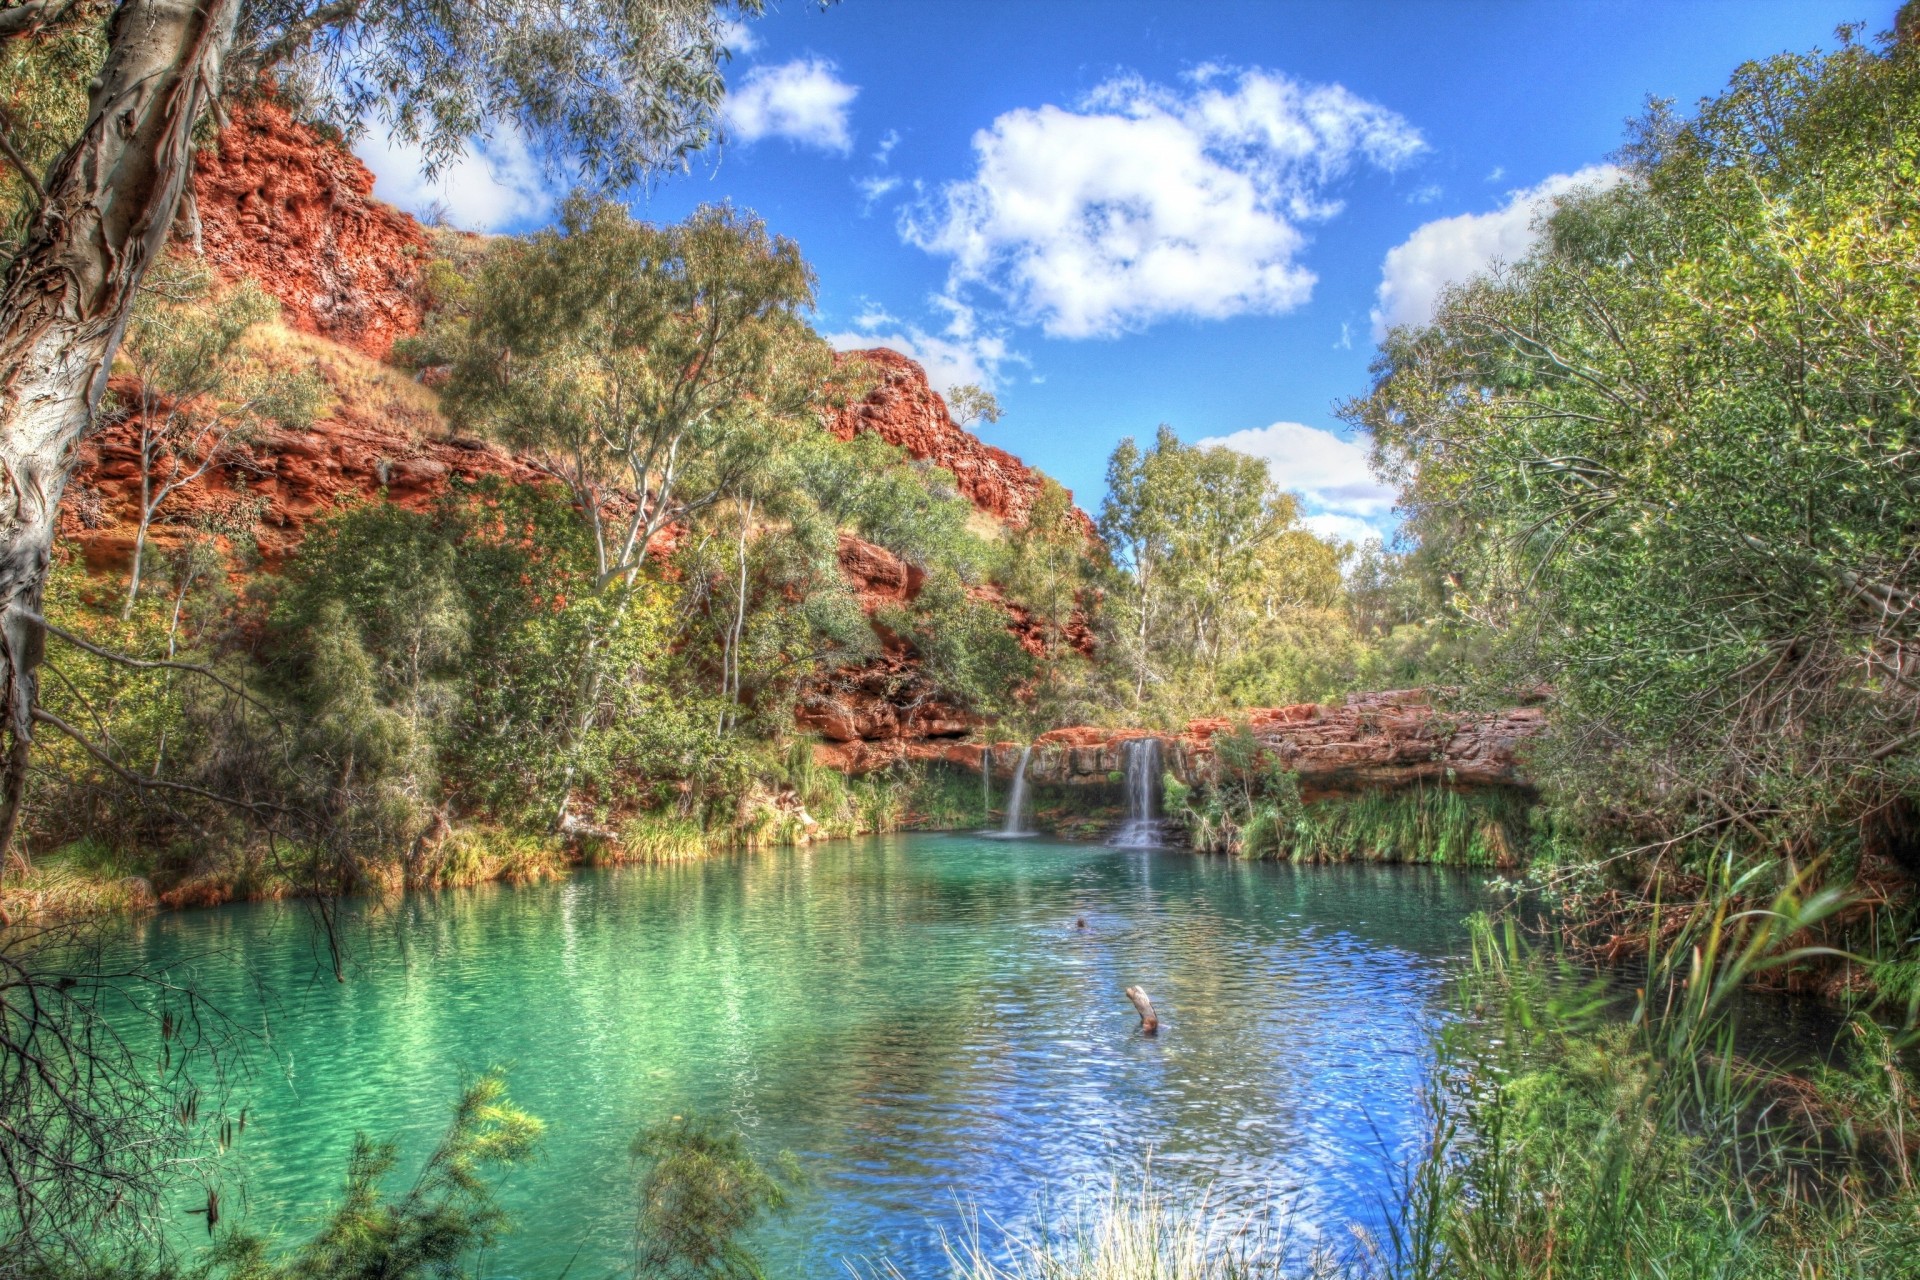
[1369,742]
[295,476]
[278,202]
[904,410]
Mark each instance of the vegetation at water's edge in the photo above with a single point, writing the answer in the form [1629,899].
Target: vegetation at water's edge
[1659,470]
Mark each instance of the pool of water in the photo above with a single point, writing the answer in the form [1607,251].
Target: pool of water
[917,1018]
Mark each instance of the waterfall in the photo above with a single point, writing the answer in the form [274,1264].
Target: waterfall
[1017,802]
[1141,830]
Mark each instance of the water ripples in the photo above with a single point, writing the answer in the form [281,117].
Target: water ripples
[917,1018]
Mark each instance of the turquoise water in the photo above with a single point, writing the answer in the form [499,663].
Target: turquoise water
[916,1018]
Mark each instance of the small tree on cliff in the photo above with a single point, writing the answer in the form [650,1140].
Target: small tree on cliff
[651,368]
[625,86]
[198,393]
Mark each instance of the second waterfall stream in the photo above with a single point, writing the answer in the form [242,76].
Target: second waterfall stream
[1017,801]
[1142,827]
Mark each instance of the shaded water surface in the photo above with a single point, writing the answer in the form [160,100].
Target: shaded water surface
[917,1018]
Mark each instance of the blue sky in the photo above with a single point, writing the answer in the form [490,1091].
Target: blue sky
[1119,214]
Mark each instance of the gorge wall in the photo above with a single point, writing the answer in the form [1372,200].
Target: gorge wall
[276,201]
[1369,741]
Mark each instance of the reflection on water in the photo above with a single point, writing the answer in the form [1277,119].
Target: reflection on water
[916,1017]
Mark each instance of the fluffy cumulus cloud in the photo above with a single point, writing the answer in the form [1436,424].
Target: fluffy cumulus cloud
[496,185]
[961,352]
[1145,202]
[1339,495]
[804,101]
[1449,250]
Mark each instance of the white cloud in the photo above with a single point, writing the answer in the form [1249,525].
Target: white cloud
[873,188]
[1337,528]
[1145,202]
[804,100]
[962,352]
[1329,471]
[888,142]
[496,184]
[1427,194]
[737,36]
[1449,250]
[1338,494]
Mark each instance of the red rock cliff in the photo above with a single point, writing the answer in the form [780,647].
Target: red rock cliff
[282,204]
[904,410]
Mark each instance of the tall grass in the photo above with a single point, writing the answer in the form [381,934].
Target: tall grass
[1134,1233]
[1421,824]
[1571,1142]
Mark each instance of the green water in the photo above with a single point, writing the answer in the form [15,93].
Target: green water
[916,1018]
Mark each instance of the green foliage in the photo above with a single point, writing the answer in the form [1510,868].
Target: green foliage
[1570,1140]
[1226,601]
[1665,460]
[701,1191]
[43,94]
[661,360]
[1480,828]
[1055,576]
[447,1215]
[969,403]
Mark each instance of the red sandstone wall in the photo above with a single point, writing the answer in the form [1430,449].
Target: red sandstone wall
[282,204]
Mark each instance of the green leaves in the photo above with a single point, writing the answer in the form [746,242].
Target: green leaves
[701,1190]
[1666,457]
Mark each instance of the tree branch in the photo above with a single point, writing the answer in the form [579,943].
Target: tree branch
[147,664]
[34,17]
[299,32]
[18,161]
[132,779]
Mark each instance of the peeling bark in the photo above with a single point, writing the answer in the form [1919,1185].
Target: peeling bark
[109,207]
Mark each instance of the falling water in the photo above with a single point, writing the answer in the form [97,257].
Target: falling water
[1017,802]
[1141,829]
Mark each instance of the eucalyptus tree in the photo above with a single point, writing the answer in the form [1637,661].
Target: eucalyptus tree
[1213,551]
[653,369]
[621,86]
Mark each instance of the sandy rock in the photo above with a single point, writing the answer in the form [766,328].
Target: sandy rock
[906,411]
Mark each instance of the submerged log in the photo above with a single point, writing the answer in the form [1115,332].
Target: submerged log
[1149,1020]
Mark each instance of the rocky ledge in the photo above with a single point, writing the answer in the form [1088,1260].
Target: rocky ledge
[1374,741]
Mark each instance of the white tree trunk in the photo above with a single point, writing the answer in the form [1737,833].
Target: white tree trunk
[63,305]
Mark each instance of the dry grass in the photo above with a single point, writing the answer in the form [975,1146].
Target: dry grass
[353,378]
[55,891]
[1133,1233]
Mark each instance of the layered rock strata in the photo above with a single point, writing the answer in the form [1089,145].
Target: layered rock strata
[1379,741]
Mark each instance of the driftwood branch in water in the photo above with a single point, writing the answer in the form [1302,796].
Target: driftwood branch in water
[1149,1020]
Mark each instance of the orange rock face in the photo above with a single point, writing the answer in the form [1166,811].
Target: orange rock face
[282,204]
[905,410]
[278,202]
[1371,741]
[299,476]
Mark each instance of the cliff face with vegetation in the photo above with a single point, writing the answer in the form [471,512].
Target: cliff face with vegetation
[904,410]
[277,203]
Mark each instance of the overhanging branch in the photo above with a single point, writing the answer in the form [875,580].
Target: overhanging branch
[257,808]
